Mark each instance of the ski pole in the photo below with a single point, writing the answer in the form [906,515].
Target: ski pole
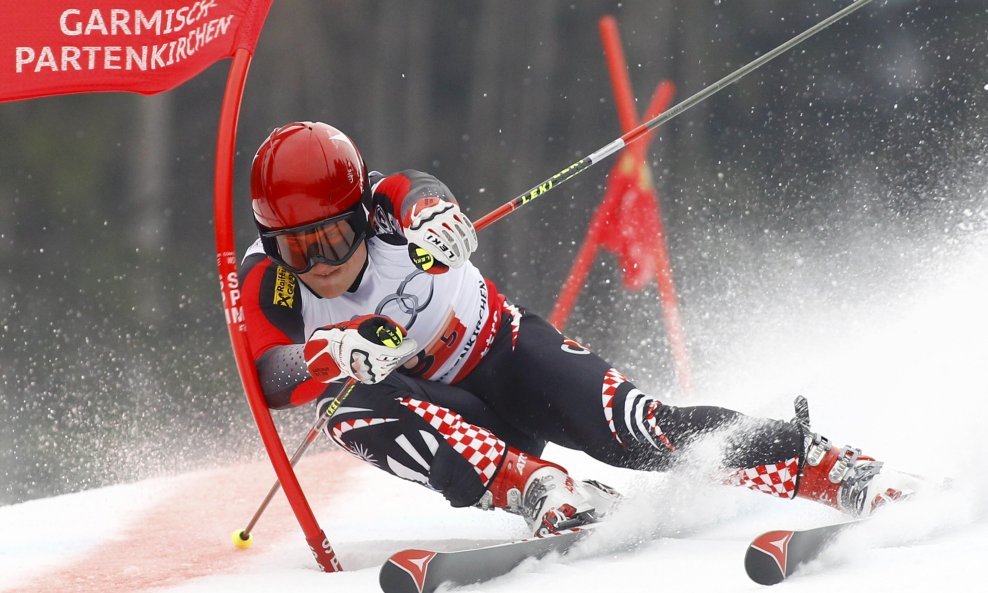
[242,538]
[636,133]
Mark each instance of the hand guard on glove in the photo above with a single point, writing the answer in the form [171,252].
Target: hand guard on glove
[366,348]
[443,231]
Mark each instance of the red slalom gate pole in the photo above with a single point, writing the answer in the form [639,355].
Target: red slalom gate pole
[617,144]
[226,261]
[625,103]
[609,209]
[580,270]
[617,67]
[588,251]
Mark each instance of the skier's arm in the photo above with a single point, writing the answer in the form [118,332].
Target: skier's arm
[417,208]
[275,333]
[284,378]
[366,348]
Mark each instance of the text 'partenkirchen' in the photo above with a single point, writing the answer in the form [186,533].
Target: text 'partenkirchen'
[178,33]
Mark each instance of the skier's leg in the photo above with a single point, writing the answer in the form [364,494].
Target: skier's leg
[446,438]
[427,432]
[556,389]
[545,495]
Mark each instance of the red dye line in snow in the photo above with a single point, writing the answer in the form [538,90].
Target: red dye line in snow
[187,534]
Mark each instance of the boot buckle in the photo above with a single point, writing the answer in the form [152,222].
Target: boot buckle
[846,459]
[486,502]
[818,448]
[514,501]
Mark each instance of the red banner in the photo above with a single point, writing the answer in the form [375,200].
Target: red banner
[54,47]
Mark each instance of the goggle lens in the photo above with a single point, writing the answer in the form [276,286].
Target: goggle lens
[332,241]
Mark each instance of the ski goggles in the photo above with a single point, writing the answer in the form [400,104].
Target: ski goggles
[332,241]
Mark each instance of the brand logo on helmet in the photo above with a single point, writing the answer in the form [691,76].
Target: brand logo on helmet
[284,288]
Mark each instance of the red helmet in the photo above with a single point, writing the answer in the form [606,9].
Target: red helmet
[305,172]
[306,184]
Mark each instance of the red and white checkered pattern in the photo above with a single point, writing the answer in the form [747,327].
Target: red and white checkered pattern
[612,380]
[340,428]
[477,445]
[777,479]
[652,424]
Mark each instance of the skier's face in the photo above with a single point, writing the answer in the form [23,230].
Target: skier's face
[331,281]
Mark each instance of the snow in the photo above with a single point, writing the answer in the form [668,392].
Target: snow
[903,378]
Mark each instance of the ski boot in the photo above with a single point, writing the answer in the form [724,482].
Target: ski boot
[545,495]
[844,478]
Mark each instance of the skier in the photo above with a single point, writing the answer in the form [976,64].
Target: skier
[357,274]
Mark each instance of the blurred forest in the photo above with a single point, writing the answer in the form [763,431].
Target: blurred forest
[861,148]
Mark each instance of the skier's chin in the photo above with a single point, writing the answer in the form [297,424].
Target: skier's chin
[325,287]
[331,281]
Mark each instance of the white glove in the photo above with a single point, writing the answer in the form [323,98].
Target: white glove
[366,348]
[443,230]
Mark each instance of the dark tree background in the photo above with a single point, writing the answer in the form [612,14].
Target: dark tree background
[857,155]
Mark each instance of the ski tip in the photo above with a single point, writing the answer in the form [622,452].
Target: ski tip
[767,558]
[406,571]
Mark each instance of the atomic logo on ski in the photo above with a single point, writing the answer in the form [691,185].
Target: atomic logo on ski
[415,563]
[422,571]
[776,545]
[774,556]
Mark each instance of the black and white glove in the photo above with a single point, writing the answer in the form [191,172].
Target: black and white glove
[442,230]
[366,348]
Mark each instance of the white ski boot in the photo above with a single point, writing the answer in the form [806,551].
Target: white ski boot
[545,495]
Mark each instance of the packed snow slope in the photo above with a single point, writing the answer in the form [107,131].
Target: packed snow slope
[903,377]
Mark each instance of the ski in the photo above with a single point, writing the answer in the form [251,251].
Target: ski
[774,556]
[423,571]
